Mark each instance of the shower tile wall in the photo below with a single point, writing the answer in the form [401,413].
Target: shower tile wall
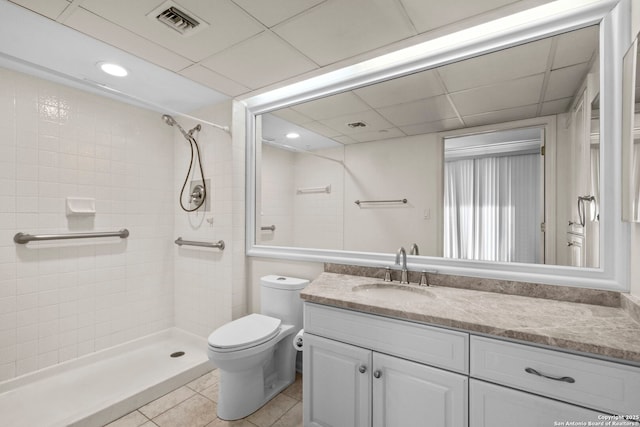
[60,300]
[204,283]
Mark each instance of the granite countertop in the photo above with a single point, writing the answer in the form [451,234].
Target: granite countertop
[588,328]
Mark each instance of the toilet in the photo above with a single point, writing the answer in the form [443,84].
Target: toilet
[255,353]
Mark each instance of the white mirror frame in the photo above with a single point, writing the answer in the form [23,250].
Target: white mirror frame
[544,21]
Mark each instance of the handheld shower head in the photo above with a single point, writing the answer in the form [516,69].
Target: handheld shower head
[172,122]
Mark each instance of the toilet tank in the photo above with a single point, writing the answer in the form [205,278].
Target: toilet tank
[280,297]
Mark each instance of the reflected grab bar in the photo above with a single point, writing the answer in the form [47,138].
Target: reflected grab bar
[219,244]
[358,202]
[23,238]
[268,228]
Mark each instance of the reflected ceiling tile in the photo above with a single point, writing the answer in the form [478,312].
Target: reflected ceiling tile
[332,106]
[345,140]
[272,12]
[49,8]
[556,107]
[378,135]
[321,129]
[507,115]
[511,94]
[214,80]
[227,23]
[336,30]
[260,61]
[565,82]
[576,47]
[439,126]
[425,110]
[372,120]
[508,64]
[292,116]
[115,35]
[401,90]
[427,15]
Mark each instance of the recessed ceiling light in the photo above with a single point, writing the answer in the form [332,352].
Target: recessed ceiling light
[113,69]
[293,135]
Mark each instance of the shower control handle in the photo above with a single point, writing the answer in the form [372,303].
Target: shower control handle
[197,195]
[362,369]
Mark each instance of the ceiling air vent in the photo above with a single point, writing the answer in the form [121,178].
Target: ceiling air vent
[177,18]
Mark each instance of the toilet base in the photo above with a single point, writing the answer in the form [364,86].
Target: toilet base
[229,408]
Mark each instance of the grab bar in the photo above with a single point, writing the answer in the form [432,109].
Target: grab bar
[358,202]
[268,228]
[326,189]
[219,244]
[23,238]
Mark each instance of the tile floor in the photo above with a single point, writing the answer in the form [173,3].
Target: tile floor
[194,405]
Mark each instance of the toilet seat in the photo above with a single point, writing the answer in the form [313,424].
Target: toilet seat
[248,331]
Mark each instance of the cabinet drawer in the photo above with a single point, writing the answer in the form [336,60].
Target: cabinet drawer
[598,384]
[429,345]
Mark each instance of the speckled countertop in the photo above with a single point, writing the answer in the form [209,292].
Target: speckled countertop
[599,330]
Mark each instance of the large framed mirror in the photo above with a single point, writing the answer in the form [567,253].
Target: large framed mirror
[485,152]
[631,134]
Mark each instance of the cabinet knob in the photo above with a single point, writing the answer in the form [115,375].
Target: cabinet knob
[362,369]
[377,374]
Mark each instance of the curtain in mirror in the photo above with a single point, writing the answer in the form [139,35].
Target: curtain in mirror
[492,209]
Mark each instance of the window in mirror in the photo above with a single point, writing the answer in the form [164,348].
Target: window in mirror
[385,143]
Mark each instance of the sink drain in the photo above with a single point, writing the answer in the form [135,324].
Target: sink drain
[177,354]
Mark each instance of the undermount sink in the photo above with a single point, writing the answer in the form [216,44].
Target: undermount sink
[392,290]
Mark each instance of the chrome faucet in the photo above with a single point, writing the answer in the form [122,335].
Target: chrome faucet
[404,275]
[414,249]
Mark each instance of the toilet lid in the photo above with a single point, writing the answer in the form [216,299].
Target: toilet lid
[244,332]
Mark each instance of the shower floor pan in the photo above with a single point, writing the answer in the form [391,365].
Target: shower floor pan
[98,388]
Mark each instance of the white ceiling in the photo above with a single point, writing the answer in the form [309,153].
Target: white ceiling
[535,79]
[250,44]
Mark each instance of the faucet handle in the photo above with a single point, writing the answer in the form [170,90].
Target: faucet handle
[387,274]
[423,278]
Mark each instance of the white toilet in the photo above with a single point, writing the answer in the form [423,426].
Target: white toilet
[255,354]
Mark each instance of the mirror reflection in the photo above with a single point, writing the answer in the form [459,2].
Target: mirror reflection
[493,158]
[631,135]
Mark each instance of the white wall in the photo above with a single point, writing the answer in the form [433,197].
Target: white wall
[276,196]
[60,300]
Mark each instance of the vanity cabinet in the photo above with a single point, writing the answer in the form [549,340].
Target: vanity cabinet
[371,382]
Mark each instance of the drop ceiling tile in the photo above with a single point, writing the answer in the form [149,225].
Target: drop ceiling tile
[260,61]
[378,135]
[565,82]
[214,80]
[511,94]
[336,30]
[101,29]
[49,8]
[508,64]
[272,12]
[292,116]
[424,110]
[374,122]
[556,107]
[431,127]
[502,116]
[345,140]
[576,47]
[321,129]
[227,23]
[402,90]
[332,106]
[427,15]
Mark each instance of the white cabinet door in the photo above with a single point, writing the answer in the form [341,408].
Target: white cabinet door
[338,392]
[492,405]
[410,394]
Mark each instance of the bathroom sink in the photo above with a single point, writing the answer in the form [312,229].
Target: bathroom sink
[392,291]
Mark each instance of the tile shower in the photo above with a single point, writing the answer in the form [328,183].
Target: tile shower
[63,300]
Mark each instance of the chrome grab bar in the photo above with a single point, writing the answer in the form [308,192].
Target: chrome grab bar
[23,238]
[268,228]
[219,244]
[358,202]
